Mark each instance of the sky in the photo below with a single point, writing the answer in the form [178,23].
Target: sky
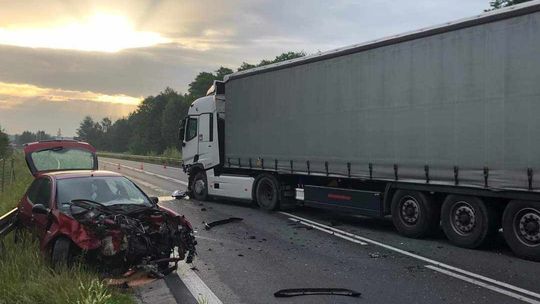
[61,60]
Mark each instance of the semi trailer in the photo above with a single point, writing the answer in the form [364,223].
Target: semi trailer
[436,128]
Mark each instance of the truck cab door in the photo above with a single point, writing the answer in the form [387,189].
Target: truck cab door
[190,144]
[208,147]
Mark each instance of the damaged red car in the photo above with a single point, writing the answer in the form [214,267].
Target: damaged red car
[76,209]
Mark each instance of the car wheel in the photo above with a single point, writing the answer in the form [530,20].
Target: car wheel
[199,189]
[467,221]
[521,228]
[414,214]
[267,193]
[61,253]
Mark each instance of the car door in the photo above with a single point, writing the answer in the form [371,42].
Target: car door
[26,203]
[40,192]
[43,196]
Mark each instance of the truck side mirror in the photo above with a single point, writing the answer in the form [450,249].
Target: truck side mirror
[40,209]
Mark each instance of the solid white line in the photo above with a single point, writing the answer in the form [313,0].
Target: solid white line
[148,173]
[328,231]
[485,285]
[419,257]
[201,292]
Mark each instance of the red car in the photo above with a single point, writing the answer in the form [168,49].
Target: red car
[76,208]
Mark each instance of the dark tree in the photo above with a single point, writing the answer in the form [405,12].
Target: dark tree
[504,3]
[199,86]
[4,143]
[222,72]
[279,58]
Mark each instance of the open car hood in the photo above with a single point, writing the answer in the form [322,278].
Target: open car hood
[60,155]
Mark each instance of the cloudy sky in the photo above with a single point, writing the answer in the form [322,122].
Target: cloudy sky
[61,60]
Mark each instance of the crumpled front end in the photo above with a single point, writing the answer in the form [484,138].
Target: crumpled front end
[137,236]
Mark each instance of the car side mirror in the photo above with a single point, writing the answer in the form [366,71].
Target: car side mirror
[178,194]
[154,200]
[40,209]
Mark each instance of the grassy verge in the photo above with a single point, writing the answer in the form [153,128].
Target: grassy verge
[160,160]
[25,275]
[14,188]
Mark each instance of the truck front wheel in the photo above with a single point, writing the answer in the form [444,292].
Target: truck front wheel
[467,221]
[521,228]
[267,192]
[414,214]
[199,188]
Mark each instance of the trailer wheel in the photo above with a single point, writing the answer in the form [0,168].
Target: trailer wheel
[467,221]
[200,186]
[521,228]
[267,193]
[414,214]
[61,253]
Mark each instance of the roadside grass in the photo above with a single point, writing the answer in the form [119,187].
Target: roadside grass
[14,189]
[26,276]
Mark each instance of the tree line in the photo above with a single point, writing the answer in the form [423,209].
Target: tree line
[153,127]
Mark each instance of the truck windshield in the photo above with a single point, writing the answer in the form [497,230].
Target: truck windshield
[110,190]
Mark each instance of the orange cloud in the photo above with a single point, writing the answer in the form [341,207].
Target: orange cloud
[14,93]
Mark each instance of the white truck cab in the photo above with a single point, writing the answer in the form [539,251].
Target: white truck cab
[202,136]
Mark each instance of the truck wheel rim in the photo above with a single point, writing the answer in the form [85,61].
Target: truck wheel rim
[199,186]
[527,226]
[410,210]
[463,218]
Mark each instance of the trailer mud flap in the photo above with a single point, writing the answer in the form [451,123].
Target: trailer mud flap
[354,201]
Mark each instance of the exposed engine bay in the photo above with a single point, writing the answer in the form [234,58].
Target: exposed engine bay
[136,236]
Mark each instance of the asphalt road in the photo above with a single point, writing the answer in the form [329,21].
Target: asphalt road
[246,262]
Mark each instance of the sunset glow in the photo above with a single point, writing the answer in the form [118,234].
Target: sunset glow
[14,93]
[100,33]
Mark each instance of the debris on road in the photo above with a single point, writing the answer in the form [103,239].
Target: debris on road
[179,194]
[285,293]
[376,255]
[209,226]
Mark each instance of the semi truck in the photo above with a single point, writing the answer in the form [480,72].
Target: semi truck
[435,128]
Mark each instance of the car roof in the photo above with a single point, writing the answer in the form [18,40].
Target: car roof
[80,173]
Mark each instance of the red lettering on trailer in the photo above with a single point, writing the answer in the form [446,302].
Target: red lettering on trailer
[339,197]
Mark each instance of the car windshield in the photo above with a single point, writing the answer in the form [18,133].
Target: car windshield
[108,191]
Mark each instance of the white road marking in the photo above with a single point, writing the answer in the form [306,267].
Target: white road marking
[419,257]
[328,231]
[148,173]
[482,284]
[201,292]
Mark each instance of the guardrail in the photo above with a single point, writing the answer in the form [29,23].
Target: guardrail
[150,159]
[8,222]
